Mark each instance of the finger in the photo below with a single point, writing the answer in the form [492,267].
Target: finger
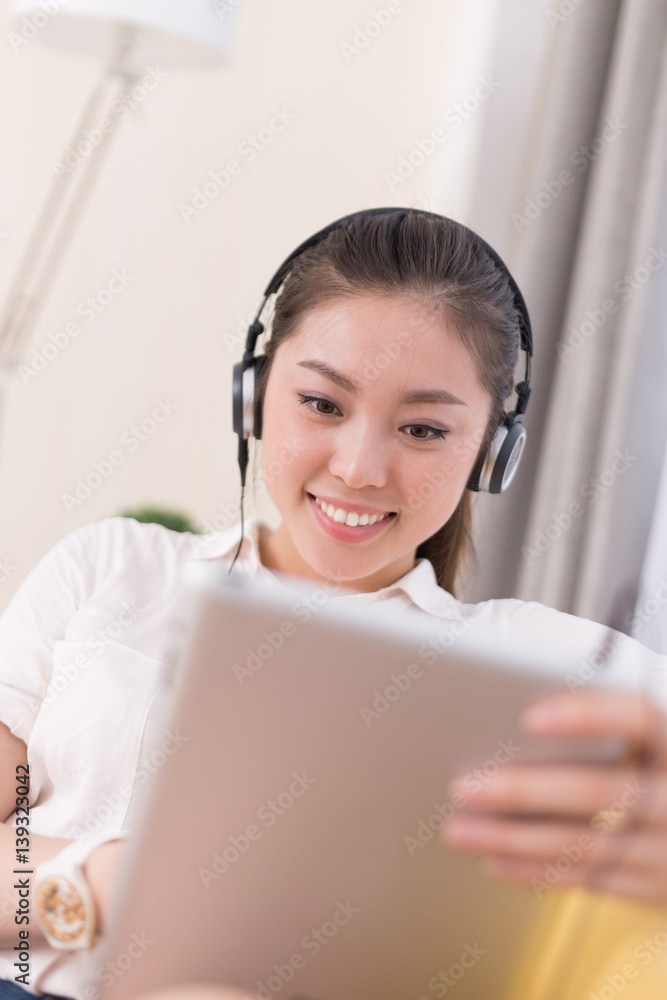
[627,714]
[572,790]
[627,882]
[559,845]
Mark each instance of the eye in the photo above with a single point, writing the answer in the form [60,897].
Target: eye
[438,434]
[309,400]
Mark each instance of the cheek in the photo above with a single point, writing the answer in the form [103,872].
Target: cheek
[435,486]
[273,426]
[452,462]
[286,452]
[463,449]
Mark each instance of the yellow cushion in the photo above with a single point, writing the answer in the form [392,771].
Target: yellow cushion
[593,946]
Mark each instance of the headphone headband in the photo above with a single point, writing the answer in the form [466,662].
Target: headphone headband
[519,301]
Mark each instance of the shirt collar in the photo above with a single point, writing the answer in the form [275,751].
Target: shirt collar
[419,584]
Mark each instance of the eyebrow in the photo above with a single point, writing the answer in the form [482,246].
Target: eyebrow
[417,396]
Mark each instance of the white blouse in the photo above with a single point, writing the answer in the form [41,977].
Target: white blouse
[83,647]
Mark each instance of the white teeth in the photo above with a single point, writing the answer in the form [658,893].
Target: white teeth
[351,518]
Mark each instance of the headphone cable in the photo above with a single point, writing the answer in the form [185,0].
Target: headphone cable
[243,464]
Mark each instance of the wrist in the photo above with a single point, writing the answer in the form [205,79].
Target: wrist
[69,907]
[99,869]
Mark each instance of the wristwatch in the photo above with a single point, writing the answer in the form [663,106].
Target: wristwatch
[64,904]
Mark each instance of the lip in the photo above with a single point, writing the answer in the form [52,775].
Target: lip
[343,532]
[358,508]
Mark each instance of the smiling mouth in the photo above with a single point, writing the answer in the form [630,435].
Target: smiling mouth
[350,518]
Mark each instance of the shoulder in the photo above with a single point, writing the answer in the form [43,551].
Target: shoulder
[594,646]
[119,550]
[141,554]
[123,538]
[532,619]
[115,541]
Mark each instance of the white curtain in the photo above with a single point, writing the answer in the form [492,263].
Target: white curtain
[573,530]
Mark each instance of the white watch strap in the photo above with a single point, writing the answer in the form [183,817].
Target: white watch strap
[62,876]
[79,850]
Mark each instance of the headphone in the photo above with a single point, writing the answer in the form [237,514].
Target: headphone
[493,471]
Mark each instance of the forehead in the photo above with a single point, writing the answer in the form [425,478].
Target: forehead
[399,341]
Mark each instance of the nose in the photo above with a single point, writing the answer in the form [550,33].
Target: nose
[360,457]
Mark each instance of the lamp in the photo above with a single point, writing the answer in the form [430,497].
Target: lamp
[131,36]
[175,34]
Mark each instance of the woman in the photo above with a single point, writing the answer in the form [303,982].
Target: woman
[392,356]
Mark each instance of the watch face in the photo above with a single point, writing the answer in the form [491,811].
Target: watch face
[61,908]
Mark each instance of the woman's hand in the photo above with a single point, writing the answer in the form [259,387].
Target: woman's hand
[604,827]
[101,871]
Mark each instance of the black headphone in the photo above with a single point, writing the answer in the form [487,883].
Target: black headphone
[493,470]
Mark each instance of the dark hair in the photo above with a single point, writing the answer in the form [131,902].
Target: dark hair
[439,262]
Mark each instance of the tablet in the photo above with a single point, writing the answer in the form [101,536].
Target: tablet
[291,845]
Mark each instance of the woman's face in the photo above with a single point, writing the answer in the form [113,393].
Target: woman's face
[373,405]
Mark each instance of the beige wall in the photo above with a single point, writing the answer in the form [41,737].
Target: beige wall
[172,333]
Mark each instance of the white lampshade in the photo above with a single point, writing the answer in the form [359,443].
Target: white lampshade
[174,34]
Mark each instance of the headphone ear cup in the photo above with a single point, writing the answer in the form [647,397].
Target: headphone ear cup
[494,472]
[247,410]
